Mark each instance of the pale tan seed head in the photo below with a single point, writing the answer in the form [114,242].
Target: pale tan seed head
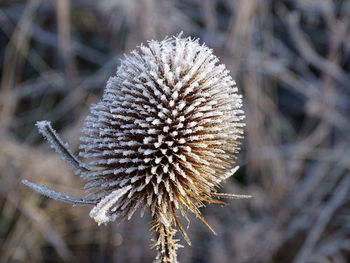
[163,138]
[165,133]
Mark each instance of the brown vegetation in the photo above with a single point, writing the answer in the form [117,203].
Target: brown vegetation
[291,60]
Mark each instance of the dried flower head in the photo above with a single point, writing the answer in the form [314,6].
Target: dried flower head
[163,138]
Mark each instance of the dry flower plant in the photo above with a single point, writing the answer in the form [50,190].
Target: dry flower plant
[164,137]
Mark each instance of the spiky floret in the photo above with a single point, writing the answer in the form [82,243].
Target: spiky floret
[164,136]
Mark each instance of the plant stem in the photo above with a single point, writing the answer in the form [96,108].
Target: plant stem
[165,242]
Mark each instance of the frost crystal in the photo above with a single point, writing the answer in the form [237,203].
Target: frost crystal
[164,137]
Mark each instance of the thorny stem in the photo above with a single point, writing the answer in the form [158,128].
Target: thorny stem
[165,242]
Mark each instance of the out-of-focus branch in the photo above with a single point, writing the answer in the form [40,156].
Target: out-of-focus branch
[13,62]
[338,199]
[308,52]
[64,40]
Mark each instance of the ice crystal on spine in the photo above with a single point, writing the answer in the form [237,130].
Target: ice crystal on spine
[163,137]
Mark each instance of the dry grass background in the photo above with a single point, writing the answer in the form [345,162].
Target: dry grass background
[291,59]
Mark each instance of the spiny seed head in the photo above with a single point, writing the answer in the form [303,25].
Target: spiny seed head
[164,135]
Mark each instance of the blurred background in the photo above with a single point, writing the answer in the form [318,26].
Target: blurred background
[291,60]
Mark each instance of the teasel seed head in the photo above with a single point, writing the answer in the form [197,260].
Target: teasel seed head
[163,138]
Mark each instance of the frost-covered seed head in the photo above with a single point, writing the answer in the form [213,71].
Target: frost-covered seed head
[163,138]
[165,133]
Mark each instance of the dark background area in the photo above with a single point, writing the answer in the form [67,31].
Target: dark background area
[290,59]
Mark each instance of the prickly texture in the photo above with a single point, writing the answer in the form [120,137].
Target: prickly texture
[163,137]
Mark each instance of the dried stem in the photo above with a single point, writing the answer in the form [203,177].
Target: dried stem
[165,242]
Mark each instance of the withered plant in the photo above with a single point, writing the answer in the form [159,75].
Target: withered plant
[163,138]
